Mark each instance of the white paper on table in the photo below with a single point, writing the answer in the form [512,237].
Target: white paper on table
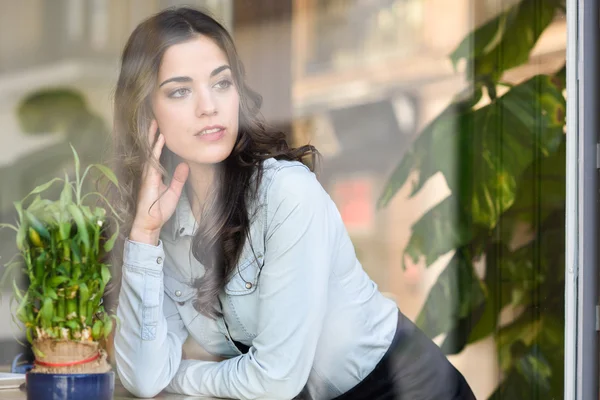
[10,380]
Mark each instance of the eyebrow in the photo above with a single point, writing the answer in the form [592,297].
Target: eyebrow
[216,71]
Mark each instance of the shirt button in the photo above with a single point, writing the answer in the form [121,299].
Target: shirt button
[178,293]
[248,285]
[159,260]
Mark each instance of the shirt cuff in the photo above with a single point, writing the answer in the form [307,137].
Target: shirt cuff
[143,255]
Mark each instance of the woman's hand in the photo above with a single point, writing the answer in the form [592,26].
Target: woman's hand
[156,203]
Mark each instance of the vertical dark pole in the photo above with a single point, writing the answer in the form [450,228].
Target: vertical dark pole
[588,70]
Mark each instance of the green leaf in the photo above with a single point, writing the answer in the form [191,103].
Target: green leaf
[21,236]
[10,226]
[41,188]
[482,39]
[534,375]
[17,292]
[51,293]
[108,327]
[441,128]
[458,337]
[97,329]
[541,191]
[110,243]
[66,196]
[38,205]
[81,225]
[37,225]
[105,202]
[19,207]
[73,324]
[77,165]
[456,293]
[482,170]
[506,41]
[46,312]
[522,332]
[105,272]
[56,281]
[443,228]
[498,294]
[108,173]
[87,213]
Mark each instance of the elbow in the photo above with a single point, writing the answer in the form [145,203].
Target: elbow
[145,392]
[140,386]
[285,391]
[288,392]
[285,388]
[139,381]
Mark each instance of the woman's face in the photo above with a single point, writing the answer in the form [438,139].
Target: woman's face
[196,102]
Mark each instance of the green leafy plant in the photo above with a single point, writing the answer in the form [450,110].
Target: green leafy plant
[62,246]
[503,158]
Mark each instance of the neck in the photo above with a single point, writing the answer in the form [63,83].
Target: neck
[200,184]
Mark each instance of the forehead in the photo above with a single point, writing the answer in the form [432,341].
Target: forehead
[196,57]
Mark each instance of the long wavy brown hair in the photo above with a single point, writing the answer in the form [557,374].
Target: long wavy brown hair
[224,226]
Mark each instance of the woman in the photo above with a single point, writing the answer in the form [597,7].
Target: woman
[242,248]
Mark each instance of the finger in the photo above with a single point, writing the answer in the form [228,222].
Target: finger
[156,152]
[179,177]
[152,131]
[151,135]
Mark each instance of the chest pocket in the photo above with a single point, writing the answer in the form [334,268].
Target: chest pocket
[178,291]
[244,279]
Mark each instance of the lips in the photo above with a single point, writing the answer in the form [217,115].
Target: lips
[210,130]
[211,133]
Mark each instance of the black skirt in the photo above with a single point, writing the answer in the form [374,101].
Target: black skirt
[413,368]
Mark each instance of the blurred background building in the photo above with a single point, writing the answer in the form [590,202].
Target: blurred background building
[358,79]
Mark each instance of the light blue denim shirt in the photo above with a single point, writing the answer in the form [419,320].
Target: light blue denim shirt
[314,321]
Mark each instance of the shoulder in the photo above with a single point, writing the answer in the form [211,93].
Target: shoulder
[288,180]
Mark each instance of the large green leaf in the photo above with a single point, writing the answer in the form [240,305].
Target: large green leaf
[455,294]
[541,191]
[512,277]
[536,370]
[505,41]
[458,337]
[529,380]
[443,228]
[498,291]
[482,157]
[443,127]
[508,136]
[486,164]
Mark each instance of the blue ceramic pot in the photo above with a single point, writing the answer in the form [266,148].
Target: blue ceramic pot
[70,386]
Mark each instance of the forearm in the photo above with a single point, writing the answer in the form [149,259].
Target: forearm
[147,354]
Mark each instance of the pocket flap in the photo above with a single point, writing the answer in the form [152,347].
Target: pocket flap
[178,291]
[245,278]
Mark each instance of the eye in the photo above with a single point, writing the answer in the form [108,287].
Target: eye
[224,84]
[178,93]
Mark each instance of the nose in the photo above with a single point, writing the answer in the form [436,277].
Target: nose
[205,104]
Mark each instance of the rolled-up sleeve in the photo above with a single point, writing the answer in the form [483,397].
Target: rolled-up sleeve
[300,220]
[151,334]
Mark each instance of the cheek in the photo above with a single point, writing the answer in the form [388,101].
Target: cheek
[234,108]
[169,118]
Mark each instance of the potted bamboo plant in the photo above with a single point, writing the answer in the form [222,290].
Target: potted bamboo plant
[63,246]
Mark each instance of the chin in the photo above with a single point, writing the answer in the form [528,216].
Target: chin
[213,157]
